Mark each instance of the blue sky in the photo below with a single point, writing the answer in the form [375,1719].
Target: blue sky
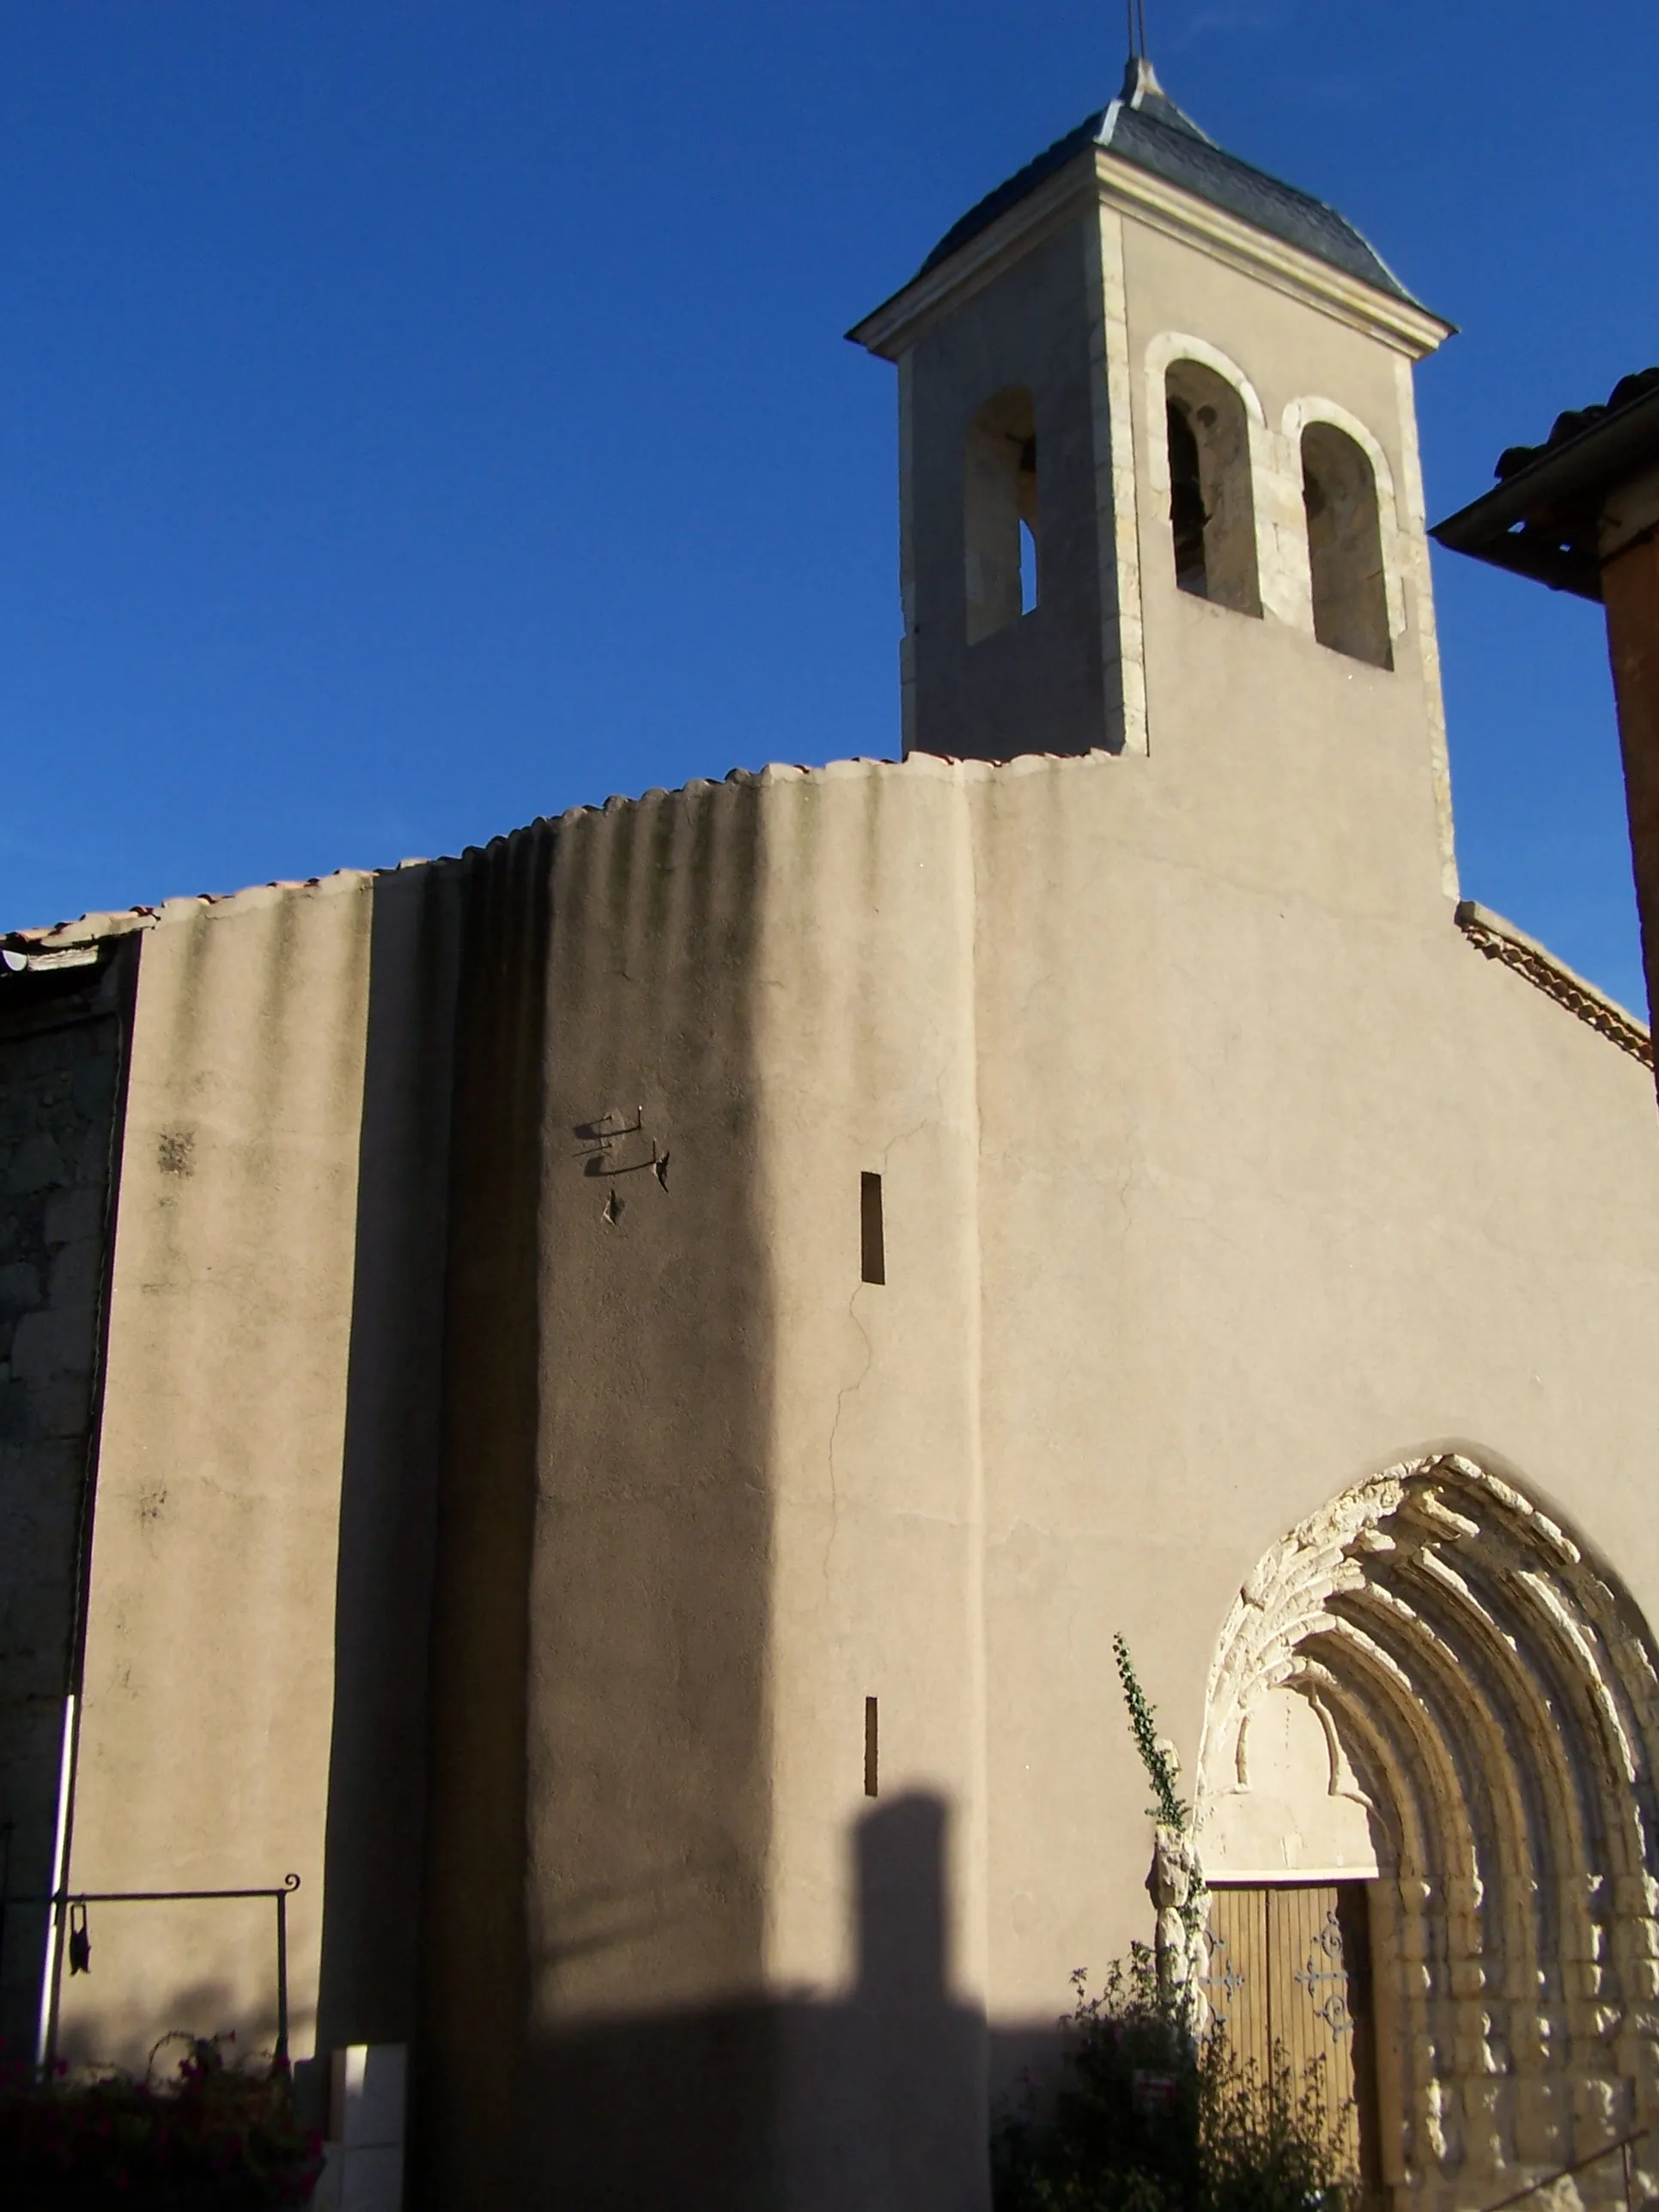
[420,415]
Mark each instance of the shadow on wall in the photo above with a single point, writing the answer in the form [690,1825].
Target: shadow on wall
[876,2103]
[428,1751]
[470,1653]
[371,1875]
[624,1663]
[554,1531]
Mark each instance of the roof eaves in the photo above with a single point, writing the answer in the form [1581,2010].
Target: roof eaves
[1562,486]
[1093,130]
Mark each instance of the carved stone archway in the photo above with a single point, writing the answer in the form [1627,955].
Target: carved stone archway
[1494,1694]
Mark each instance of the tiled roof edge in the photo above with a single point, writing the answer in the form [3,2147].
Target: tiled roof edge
[87,928]
[1501,940]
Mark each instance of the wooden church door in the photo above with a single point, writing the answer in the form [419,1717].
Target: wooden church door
[1289,1968]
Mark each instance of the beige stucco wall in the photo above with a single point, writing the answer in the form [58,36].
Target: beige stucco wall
[204,1733]
[649,1721]
[870,1063]
[1314,1186]
[1209,1188]
[1206,1195]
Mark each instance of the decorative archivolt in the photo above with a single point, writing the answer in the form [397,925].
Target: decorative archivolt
[1495,1695]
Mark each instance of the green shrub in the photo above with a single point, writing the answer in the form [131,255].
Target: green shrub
[214,2138]
[1145,2117]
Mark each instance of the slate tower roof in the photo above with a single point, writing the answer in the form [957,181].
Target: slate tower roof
[1144,126]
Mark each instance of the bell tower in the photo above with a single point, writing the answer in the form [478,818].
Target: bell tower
[1157,456]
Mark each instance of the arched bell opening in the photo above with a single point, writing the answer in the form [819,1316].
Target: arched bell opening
[1001,519]
[1344,546]
[1487,1697]
[1211,499]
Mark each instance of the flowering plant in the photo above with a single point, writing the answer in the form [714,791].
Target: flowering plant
[214,2137]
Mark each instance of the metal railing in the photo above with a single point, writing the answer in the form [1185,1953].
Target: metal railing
[1620,2149]
[65,1903]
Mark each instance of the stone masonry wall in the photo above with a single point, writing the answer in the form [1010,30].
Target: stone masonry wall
[59,1075]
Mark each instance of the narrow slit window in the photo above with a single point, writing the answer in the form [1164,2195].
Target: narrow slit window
[1002,526]
[1344,546]
[871,1749]
[1212,501]
[871,1240]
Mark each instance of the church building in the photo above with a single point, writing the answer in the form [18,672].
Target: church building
[602,1402]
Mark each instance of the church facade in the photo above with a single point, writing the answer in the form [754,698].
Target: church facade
[602,1401]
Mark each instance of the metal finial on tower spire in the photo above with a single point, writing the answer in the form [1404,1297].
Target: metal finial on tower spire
[1139,77]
